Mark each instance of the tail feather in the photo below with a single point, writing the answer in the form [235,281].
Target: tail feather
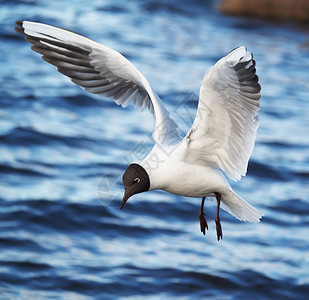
[239,208]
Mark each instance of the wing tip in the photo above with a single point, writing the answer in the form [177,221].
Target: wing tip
[19,28]
[239,54]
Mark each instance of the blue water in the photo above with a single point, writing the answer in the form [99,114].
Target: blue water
[63,152]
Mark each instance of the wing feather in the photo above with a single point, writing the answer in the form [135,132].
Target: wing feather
[224,129]
[99,70]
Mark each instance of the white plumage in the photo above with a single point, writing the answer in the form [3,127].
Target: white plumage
[224,130]
[99,70]
[220,140]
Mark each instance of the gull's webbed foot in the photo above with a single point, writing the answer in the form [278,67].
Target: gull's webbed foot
[218,224]
[203,222]
[219,229]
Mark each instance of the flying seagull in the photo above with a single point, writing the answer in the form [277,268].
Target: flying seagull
[219,142]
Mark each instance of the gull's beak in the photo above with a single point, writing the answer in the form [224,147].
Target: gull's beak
[126,196]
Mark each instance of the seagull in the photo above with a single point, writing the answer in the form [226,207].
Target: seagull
[217,146]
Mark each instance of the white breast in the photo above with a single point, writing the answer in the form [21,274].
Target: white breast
[179,177]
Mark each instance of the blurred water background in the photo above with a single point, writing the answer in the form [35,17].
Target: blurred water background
[63,152]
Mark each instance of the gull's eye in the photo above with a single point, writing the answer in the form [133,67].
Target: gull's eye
[136,180]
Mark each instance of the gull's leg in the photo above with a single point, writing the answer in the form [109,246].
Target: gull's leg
[201,215]
[218,224]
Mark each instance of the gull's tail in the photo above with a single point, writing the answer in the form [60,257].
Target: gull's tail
[239,208]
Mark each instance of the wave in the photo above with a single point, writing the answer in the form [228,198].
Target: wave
[132,281]
[296,207]
[48,216]
[265,172]
[28,136]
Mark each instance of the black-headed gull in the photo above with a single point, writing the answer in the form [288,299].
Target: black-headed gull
[219,142]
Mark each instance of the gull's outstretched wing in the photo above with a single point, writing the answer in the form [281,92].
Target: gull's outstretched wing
[224,129]
[99,70]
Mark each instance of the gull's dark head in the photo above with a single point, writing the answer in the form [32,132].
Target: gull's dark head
[135,180]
